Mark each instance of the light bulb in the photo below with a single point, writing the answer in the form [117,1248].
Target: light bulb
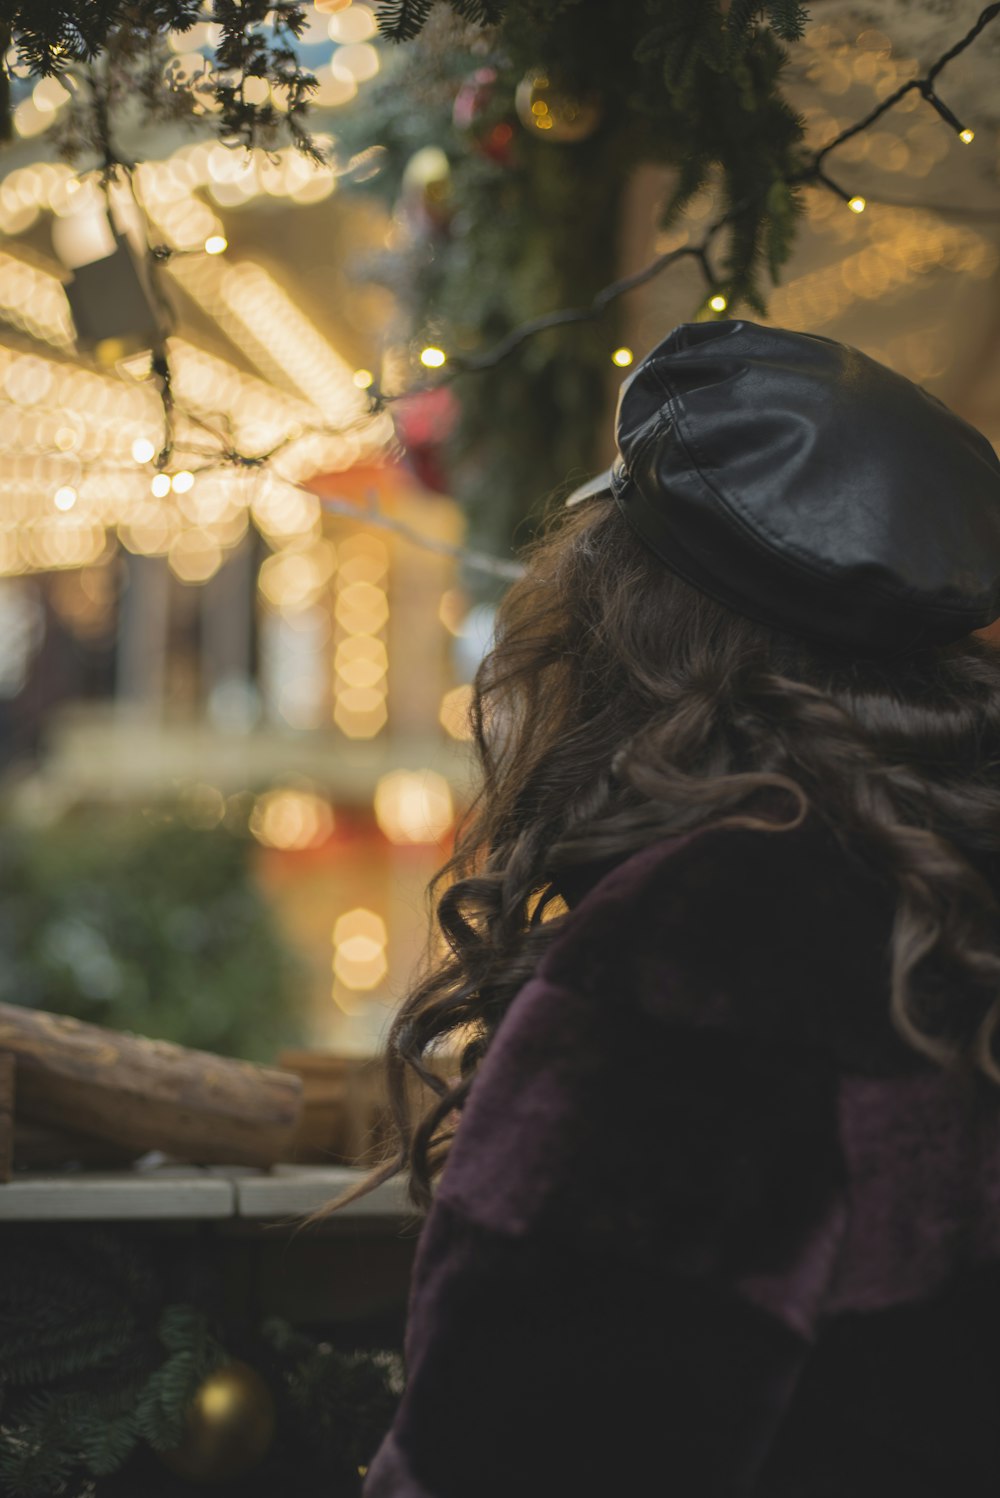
[160,484]
[622,357]
[363,378]
[433,358]
[215,244]
[718,303]
[967,136]
[142,450]
[857,204]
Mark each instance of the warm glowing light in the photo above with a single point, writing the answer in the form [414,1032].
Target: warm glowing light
[363,378]
[361,661]
[356,23]
[452,610]
[360,720]
[857,204]
[358,60]
[718,302]
[361,608]
[454,712]
[143,450]
[294,580]
[433,358]
[256,90]
[359,943]
[291,819]
[160,485]
[64,498]
[413,806]
[967,136]
[362,558]
[622,357]
[182,481]
[215,244]
[194,555]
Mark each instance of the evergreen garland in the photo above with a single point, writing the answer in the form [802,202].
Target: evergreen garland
[538,228]
[80,1364]
[257,40]
[99,1363]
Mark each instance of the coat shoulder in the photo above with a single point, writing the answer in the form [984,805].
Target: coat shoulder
[778,934]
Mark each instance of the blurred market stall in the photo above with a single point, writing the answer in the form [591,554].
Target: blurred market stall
[211,651]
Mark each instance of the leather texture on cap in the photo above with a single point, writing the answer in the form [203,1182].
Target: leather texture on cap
[802,483]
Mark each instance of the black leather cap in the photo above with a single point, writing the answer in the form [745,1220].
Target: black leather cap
[806,485]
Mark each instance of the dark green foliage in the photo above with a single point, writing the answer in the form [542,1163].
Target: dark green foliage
[119,1358]
[401,20]
[193,1352]
[786,16]
[257,41]
[82,1370]
[147,925]
[339,1404]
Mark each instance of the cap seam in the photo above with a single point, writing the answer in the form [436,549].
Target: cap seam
[757,530]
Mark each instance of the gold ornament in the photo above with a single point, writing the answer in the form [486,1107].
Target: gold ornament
[548,111]
[229,1427]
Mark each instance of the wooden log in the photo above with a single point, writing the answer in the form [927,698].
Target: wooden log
[149,1094]
[341,1104]
[345,1115]
[7,1070]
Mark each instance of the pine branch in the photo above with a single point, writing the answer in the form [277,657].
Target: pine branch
[194,1353]
[740,18]
[788,18]
[402,20]
[479,12]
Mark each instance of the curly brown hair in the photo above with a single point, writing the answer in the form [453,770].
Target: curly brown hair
[618,706]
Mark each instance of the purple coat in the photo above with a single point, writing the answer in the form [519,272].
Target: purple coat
[709,1227]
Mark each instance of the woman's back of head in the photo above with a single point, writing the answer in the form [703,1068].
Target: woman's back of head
[766,609]
[618,705]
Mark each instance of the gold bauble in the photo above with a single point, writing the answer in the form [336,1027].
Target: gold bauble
[548,111]
[229,1427]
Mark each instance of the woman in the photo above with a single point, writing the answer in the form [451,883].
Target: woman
[720,1212]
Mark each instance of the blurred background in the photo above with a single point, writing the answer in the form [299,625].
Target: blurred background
[234,738]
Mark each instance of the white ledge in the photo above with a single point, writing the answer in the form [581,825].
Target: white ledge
[194,1192]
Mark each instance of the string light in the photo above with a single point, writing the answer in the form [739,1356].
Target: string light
[182,481]
[622,357]
[718,302]
[215,244]
[964,134]
[855,202]
[160,485]
[55,328]
[64,498]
